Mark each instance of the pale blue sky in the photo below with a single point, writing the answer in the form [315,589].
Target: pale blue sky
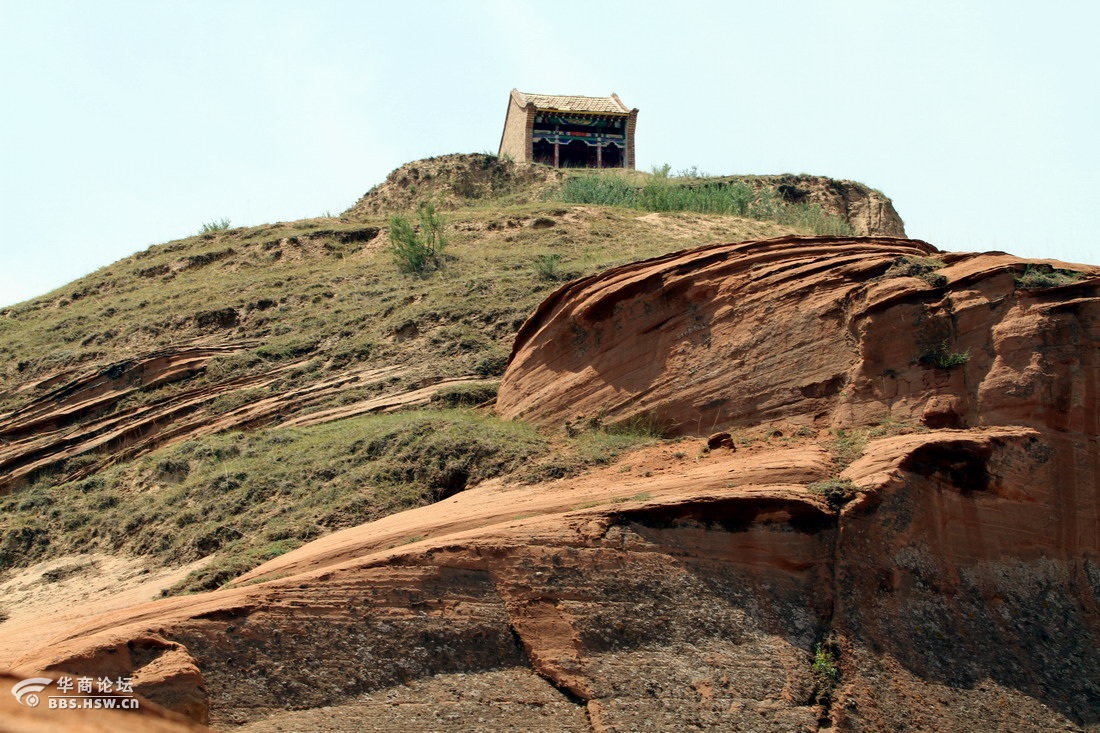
[127,124]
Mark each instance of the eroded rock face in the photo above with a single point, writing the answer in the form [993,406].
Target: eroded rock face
[720,590]
[967,582]
[451,180]
[870,213]
[811,331]
[694,603]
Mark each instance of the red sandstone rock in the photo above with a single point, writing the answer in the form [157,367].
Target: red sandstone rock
[958,590]
[807,330]
[721,440]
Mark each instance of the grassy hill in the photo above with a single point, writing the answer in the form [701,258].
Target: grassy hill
[224,394]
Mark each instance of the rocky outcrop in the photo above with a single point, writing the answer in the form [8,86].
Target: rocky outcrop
[449,181]
[716,593]
[869,212]
[967,581]
[948,578]
[947,596]
[815,331]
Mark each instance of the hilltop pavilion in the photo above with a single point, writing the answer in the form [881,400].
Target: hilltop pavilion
[569,132]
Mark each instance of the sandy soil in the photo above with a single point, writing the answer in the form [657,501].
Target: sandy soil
[52,596]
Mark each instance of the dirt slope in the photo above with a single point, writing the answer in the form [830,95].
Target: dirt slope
[946,579]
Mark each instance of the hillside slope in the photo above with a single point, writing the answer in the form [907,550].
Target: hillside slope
[289,327]
[868,557]
[899,529]
[261,326]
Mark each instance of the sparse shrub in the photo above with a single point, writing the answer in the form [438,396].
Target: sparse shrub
[232,365]
[228,567]
[647,425]
[922,267]
[230,401]
[25,539]
[692,172]
[286,348]
[65,572]
[661,171]
[943,358]
[418,250]
[849,443]
[550,469]
[837,492]
[1035,277]
[847,446]
[548,266]
[217,225]
[466,395]
[825,669]
[887,425]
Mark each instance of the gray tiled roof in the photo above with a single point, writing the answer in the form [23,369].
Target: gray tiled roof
[573,103]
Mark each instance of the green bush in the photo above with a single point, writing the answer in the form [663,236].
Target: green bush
[735,198]
[942,358]
[548,266]
[418,250]
[825,669]
[466,395]
[922,267]
[837,492]
[1045,276]
[217,225]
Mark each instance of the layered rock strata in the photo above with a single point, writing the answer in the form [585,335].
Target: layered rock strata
[947,579]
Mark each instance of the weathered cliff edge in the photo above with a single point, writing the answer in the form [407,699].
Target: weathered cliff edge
[451,181]
[957,590]
[814,331]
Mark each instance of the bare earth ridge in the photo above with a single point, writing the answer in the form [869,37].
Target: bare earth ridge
[953,584]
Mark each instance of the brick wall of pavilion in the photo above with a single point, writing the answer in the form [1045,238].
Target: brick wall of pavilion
[631,123]
[518,125]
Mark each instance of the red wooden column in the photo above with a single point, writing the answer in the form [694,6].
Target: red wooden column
[557,155]
[599,155]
